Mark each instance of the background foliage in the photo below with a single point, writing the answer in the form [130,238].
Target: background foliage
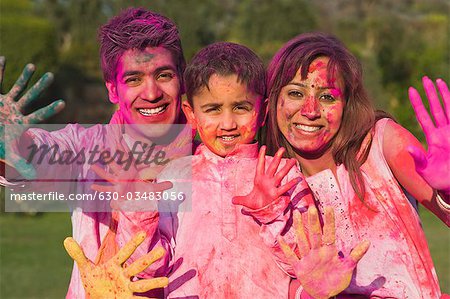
[397,42]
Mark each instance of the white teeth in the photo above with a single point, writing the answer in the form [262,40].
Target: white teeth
[227,138]
[152,111]
[307,128]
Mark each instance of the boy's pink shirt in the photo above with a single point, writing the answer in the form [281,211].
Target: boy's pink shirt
[218,250]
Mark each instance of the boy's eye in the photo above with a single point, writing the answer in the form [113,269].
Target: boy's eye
[243,108]
[295,94]
[212,109]
[327,98]
[166,76]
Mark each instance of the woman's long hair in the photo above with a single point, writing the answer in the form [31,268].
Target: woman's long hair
[358,116]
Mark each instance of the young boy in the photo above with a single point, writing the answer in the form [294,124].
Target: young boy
[216,251]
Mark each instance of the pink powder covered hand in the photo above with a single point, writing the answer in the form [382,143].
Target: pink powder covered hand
[319,268]
[267,184]
[130,185]
[111,279]
[434,165]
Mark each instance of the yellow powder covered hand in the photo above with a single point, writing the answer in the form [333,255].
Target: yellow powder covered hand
[319,268]
[112,279]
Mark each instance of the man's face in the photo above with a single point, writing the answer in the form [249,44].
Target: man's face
[147,87]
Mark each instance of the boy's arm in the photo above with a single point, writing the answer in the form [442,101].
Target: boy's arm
[270,204]
[424,174]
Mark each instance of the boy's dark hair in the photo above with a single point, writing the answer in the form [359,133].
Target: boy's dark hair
[137,28]
[224,59]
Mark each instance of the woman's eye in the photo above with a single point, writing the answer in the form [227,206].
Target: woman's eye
[327,97]
[295,94]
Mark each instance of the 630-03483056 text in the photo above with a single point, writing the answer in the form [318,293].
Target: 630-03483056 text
[103,196]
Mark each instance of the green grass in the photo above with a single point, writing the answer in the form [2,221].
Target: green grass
[438,237]
[34,264]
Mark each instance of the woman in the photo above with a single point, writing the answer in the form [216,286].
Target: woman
[357,162]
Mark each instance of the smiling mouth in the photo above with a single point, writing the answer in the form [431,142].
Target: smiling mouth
[153,111]
[228,138]
[309,129]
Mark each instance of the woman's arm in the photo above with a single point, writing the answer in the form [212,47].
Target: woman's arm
[424,174]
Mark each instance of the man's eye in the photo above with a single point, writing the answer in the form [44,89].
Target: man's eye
[166,76]
[132,80]
[295,94]
[327,98]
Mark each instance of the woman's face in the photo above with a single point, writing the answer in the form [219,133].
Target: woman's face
[309,112]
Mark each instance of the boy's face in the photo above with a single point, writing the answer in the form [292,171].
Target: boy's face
[146,87]
[225,115]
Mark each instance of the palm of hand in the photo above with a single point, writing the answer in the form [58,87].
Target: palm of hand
[320,270]
[112,279]
[267,183]
[11,108]
[434,165]
[323,266]
[437,169]
[105,281]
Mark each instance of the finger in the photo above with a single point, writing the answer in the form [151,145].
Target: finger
[23,167]
[161,186]
[34,92]
[2,70]
[273,166]
[288,252]
[359,251]
[445,94]
[279,176]
[240,200]
[75,252]
[143,262]
[45,112]
[114,167]
[145,285]
[302,239]
[103,188]
[329,227]
[102,173]
[315,232]
[435,104]
[260,167]
[420,159]
[288,186]
[127,250]
[22,81]
[421,113]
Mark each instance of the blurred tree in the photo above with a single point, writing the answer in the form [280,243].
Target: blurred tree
[265,25]
[25,37]
[397,42]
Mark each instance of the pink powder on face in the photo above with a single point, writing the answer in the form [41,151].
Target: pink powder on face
[315,65]
[336,92]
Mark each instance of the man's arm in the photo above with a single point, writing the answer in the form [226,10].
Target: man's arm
[12,105]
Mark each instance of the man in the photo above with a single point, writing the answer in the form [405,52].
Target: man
[142,62]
